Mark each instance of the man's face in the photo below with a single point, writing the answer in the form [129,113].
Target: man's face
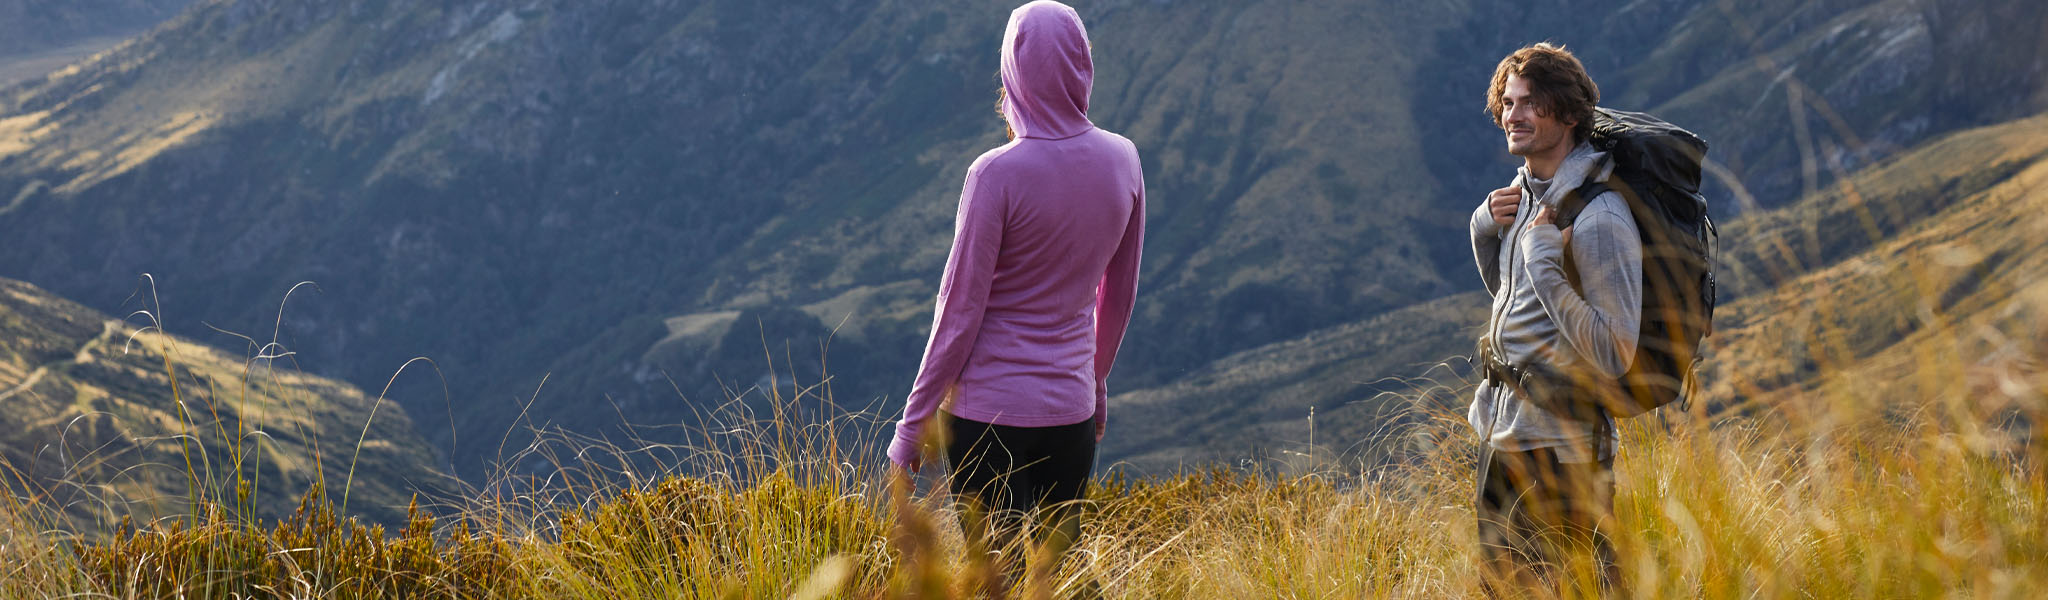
[1530,131]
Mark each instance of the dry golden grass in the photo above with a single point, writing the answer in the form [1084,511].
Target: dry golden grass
[1932,497]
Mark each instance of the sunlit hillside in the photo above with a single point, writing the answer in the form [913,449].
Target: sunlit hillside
[108,419]
[1932,258]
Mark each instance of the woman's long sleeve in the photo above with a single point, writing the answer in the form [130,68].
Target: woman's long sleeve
[962,300]
[1114,300]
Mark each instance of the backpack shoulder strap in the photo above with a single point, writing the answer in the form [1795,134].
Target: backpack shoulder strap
[1568,210]
[1575,202]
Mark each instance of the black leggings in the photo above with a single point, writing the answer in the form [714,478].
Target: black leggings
[1015,471]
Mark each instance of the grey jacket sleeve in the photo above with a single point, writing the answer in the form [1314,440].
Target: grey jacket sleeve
[1601,319]
[1486,246]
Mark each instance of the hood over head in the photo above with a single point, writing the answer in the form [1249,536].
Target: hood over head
[1047,72]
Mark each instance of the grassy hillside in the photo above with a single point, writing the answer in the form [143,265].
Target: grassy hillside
[1337,397]
[1958,251]
[546,191]
[1793,504]
[1726,513]
[109,419]
[1909,468]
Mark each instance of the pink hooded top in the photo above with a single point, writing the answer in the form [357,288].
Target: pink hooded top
[1044,267]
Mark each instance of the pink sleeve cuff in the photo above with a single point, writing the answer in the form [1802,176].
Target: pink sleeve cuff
[903,448]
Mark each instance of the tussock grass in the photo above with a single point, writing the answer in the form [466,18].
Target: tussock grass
[1935,498]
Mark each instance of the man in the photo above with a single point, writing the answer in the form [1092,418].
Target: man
[1546,476]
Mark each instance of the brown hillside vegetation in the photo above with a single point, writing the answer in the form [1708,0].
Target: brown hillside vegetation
[1961,224]
[1339,393]
[95,429]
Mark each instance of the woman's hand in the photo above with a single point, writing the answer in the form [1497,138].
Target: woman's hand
[904,454]
[913,465]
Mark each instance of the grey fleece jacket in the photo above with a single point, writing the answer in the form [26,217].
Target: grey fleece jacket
[1538,316]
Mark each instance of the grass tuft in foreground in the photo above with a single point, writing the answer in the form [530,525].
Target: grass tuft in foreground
[1746,507]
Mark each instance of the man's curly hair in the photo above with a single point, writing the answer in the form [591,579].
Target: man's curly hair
[1558,85]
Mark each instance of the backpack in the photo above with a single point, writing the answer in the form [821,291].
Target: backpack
[1657,171]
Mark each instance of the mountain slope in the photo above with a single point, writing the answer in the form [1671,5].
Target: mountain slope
[1943,295]
[1340,393]
[33,26]
[1307,246]
[616,195]
[484,185]
[95,424]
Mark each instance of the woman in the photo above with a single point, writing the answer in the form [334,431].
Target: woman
[1037,290]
